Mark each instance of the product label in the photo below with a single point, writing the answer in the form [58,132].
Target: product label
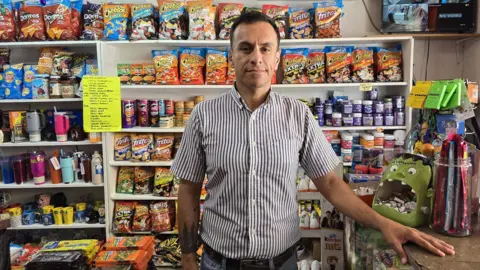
[55,163]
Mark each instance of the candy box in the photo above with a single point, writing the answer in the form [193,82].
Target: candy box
[123,71]
[136,73]
[145,243]
[138,258]
[57,260]
[148,73]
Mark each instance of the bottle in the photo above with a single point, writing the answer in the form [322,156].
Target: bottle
[95,137]
[97,168]
[55,169]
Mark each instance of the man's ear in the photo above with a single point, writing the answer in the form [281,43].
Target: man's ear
[277,59]
[230,57]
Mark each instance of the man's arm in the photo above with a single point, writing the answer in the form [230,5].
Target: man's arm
[188,217]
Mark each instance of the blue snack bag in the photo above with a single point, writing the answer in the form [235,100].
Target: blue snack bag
[144,26]
[13,81]
[29,73]
[172,21]
[117,21]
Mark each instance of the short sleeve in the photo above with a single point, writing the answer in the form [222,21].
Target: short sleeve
[317,157]
[189,163]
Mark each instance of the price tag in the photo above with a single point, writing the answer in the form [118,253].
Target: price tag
[366,87]
[55,163]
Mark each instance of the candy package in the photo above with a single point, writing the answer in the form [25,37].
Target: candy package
[122,146]
[339,60]
[201,16]
[136,73]
[45,61]
[230,72]
[163,216]
[172,20]
[148,73]
[316,66]
[125,180]
[77,6]
[29,73]
[7,21]
[144,25]
[166,66]
[144,180]
[13,81]
[58,19]
[279,15]
[389,64]
[228,13]
[163,182]
[294,62]
[30,20]
[62,64]
[362,65]
[163,147]
[300,23]
[141,147]
[122,221]
[117,22]
[93,25]
[123,72]
[141,220]
[192,62]
[327,18]
[216,67]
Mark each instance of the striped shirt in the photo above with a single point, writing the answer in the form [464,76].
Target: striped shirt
[251,161]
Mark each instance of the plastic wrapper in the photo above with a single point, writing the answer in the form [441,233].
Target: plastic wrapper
[57,260]
[300,24]
[30,21]
[77,6]
[62,64]
[7,22]
[166,66]
[143,22]
[117,22]
[338,68]
[13,81]
[192,62]
[93,25]
[316,66]
[230,72]
[389,64]
[45,61]
[143,180]
[125,180]
[141,147]
[362,65]
[137,258]
[58,19]
[141,220]
[122,220]
[327,18]
[216,73]
[163,182]
[29,73]
[294,62]
[163,216]
[129,243]
[279,15]
[122,146]
[163,147]
[172,20]
[228,13]
[201,23]
[79,68]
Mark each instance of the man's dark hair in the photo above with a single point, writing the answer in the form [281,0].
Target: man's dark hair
[254,17]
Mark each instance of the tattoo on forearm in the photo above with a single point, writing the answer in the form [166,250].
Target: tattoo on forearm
[189,235]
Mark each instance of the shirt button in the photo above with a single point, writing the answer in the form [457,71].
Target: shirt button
[254,231]
[254,144]
[253,172]
[253,202]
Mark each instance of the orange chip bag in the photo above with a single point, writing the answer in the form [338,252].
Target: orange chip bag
[163,147]
[216,67]
[192,62]
[201,16]
[327,18]
[166,66]
[58,19]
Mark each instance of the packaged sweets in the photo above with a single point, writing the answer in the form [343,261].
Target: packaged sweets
[141,220]
[163,216]
[252,9]
[279,15]
[316,66]
[339,60]
[123,71]
[216,67]
[40,87]
[125,180]
[148,73]
[163,182]
[136,73]
[362,65]
[192,62]
[13,81]
[122,146]
[166,66]
[58,19]
[122,221]
[327,18]
[144,180]
[93,25]
[294,62]
[62,64]
[163,148]
[228,13]
[141,147]
[109,259]
[45,61]
[117,22]
[143,22]
[129,243]
[300,23]
[79,65]
[172,20]
[77,6]
[230,72]
[31,26]
[389,64]
[29,73]
[201,16]
[7,22]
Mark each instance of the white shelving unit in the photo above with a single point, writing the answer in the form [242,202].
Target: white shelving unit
[48,144]
[54,227]
[49,185]
[29,101]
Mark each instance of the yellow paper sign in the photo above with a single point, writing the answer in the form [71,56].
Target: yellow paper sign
[101,104]
[419,94]
[366,87]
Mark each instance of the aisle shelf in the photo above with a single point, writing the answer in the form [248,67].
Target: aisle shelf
[306,196]
[364,128]
[310,233]
[40,44]
[154,130]
[150,233]
[142,164]
[54,227]
[133,197]
[49,184]
[48,144]
[56,100]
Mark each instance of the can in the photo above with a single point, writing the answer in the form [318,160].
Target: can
[154,115]
[189,107]
[161,107]
[142,113]
[179,108]
[168,107]
[129,119]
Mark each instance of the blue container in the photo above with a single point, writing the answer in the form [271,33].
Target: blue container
[7,171]
[28,217]
[66,162]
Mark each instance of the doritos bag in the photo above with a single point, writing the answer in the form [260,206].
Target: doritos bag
[93,25]
[77,6]
[7,21]
[58,20]
[31,24]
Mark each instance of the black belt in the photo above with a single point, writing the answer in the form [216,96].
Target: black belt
[278,261]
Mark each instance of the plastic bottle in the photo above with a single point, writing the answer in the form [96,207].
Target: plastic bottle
[97,168]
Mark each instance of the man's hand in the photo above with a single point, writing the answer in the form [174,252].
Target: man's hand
[397,235]
[189,261]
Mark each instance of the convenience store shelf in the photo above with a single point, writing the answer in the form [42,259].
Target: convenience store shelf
[53,227]
[47,143]
[310,233]
[305,196]
[56,100]
[49,184]
[363,128]
[142,164]
[153,233]
[130,197]
[154,130]
[38,44]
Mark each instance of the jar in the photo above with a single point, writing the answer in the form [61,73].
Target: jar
[368,120]
[398,103]
[328,107]
[336,145]
[198,99]
[357,119]
[179,120]
[347,120]
[186,117]
[378,106]
[347,155]
[347,141]
[389,119]
[54,90]
[347,107]
[389,141]
[367,106]
[357,106]
[388,105]
[372,95]
[67,88]
[399,147]
[379,139]
[367,140]
[336,119]
[355,137]
[399,118]
[357,153]
[328,120]
[378,119]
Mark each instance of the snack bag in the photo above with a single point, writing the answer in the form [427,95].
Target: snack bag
[7,21]
[172,20]
[62,64]
[144,180]
[294,62]
[143,22]
[327,18]
[148,73]
[122,146]
[79,65]
[300,23]
[13,81]
[279,15]
[136,73]
[230,72]
[125,180]
[123,217]
[117,22]
[201,20]
[141,147]
[30,20]
[93,25]
[338,61]
[58,19]
[45,61]
[228,13]
[163,216]
[166,66]
[123,71]
[29,73]
[141,220]
[192,62]
[216,67]
[389,64]
[91,67]
[77,6]
[163,147]
[316,66]
[163,182]
[362,65]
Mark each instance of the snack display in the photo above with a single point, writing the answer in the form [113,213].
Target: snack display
[125,180]
[279,15]
[117,21]
[338,64]
[316,66]
[143,180]
[163,216]
[389,64]
[141,147]
[300,23]
[216,73]
[7,22]
[327,18]
[144,25]
[173,20]
[166,66]
[163,147]
[93,25]
[192,63]
[294,62]
[201,16]
[227,14]
[163,184]
[123,215]
[362,65]
[30,18]
[141,219]
[58,20]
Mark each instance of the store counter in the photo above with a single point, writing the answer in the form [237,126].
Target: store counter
[467,252]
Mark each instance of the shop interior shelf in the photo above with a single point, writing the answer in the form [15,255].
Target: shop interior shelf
[39,44]
[306,196]
[143,164]
[49,184]
[154,130]
[47,143]
[53,227]
[364,128]
[130,197]
[310,233]
[56,100]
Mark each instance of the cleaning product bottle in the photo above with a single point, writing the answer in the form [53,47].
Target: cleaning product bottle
[97,168]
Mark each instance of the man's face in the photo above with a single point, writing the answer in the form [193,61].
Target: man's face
[255,54]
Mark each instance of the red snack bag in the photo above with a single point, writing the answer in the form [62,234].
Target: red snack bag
[77,6]
[228,13]
[141,221]
[166,66]
[192,62]
[163,216]
[30,21]
[58,20]
[279,15]
[123,217]
[7,22]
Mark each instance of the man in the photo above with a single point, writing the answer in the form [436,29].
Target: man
[338,224]
[327,220]
[250,142]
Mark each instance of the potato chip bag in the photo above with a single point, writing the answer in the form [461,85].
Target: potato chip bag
[45,61]
[58,19]
[77,6]
[122,221]
[216,67]
[338,64]
[141,220]
[300,23]
[294,62]
[30,20]
[144,180]
[122,146]
[13,81]
[166,66]
[228,13]
[141,147]
[29,73]
[172,20]
[327,18]
[316,66]
[7,21]
[144,25]
[362,65]
[201,16]
[117,21]
[230,72]
[192,62]
[125,180]
[163,148]
[163,184]
[93,25]
[279,15]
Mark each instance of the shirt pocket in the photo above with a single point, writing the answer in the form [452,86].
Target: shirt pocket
[282,154]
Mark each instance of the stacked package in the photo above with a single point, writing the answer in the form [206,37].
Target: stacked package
[135,251]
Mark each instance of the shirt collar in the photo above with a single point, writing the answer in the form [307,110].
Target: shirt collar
[237,98]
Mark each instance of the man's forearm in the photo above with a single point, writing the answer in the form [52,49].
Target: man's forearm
[188,215]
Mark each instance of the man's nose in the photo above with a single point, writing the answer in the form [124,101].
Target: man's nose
[256,57]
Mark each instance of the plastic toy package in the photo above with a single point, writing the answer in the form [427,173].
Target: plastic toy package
[31,26]
[316,66]
[227,14]
[172,20]
[7,21]
[93,25]
[216,67]
[294,62]
[117,22]
[300,23]
[327,18]
[166,66]
[192,62]
[144,25]
[58,20]
[279,15]
[201,20]
[339,60]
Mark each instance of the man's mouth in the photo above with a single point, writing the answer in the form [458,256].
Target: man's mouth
[397,195]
